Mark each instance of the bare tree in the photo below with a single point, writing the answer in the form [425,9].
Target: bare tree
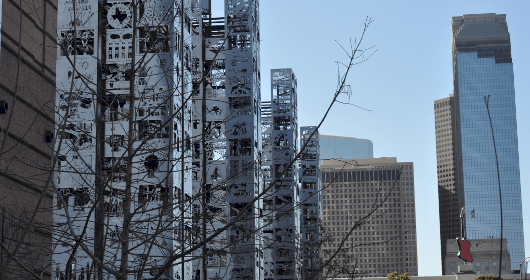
[122,167]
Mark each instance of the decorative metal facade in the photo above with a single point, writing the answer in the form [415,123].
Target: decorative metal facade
[311,219]
[268,198]
[243,90]
[281,203]
[227,140]
[114,93]
[209,115]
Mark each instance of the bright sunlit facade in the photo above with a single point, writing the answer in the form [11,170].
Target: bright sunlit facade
[483,68]
[345,147]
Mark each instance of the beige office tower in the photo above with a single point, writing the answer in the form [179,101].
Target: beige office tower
[377,194]
[446,164]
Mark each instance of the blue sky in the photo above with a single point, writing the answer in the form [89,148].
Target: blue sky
[411,68]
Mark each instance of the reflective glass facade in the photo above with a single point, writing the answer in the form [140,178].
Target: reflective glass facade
[345,147]
[482,67]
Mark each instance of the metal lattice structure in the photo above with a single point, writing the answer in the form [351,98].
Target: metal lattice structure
[281,204]
[94,126]
[226,140]
[311,218]
[209,114]
[244,140]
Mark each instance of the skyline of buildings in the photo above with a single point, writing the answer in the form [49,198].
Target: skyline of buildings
[234,145]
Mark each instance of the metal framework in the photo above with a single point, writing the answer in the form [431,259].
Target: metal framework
[310,201]
[281,204]
[98,55]
[226,139]
[244,139]
[209,114]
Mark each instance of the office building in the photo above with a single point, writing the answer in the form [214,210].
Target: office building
[27,92]
[345,147]
[123,146]
[311,218]
[485,253]
[449,210]
[281,216]
[483,87]
[226,140]
[381,189]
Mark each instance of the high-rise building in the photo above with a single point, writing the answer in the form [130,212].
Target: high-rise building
[345,147]
[311,219]
[281,216]
[27,92]
[483,87]
[378,195]
[124,138]
[449,210]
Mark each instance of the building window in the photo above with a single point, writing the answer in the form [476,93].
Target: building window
[503,268]
[495,267]
[486,268]
[478,268]
[453,269]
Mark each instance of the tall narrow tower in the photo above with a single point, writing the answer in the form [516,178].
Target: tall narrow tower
[282,220]
[482,69]
[310,194]
[243,90]
[226,141]
[446,164]
[122,180]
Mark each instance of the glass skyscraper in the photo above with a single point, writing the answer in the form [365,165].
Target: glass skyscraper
[482,68]
[345,147]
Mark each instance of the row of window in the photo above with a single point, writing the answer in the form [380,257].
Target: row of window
[443,104]
[486,270]
[330,189]
[362,176]
[381,193]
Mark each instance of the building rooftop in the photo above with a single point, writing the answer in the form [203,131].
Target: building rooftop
[344,138]
[357,163]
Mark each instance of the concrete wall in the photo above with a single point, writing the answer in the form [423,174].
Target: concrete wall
[27,84]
